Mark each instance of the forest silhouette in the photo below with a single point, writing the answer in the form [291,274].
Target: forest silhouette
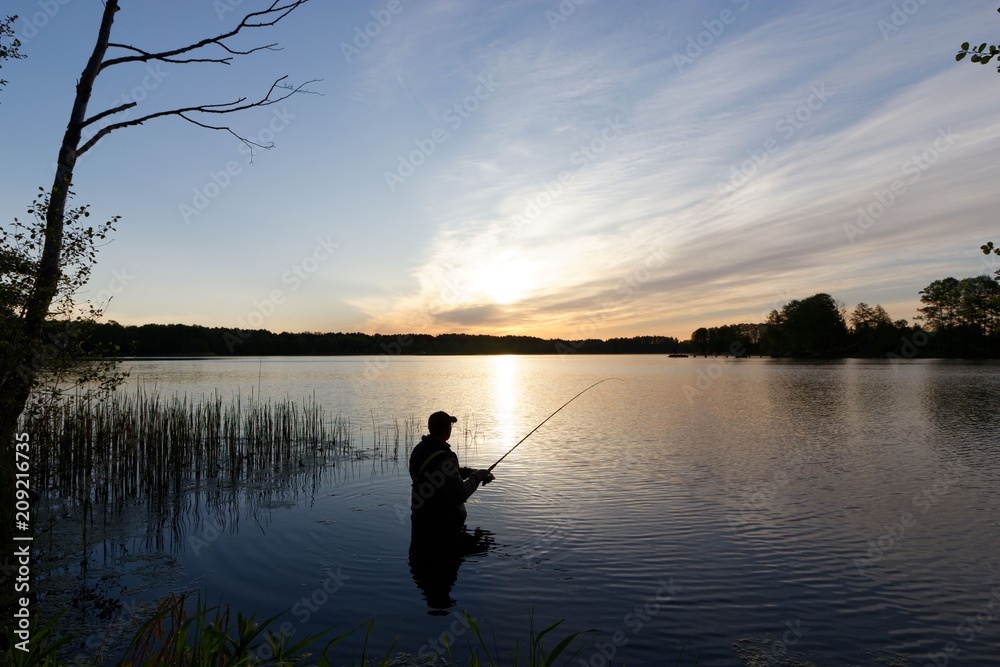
[958,319]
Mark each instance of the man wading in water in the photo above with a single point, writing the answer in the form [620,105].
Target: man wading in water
[438,539]
[440,485]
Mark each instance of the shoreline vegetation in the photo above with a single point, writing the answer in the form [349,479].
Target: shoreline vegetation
[959,319]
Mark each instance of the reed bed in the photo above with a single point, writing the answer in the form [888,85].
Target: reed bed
[140,445]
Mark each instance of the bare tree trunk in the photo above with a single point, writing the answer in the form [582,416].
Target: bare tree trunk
[47,278]
[29,349]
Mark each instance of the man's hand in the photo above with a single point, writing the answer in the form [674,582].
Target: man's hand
[484,476]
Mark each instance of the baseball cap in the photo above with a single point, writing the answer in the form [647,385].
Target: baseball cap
[440,420]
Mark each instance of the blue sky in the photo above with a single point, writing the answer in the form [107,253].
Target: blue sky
[576,170]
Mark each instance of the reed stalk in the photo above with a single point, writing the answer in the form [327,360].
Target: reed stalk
[144,445]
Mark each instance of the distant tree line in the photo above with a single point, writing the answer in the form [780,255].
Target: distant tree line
[165,340]
[959,319]
[730,340]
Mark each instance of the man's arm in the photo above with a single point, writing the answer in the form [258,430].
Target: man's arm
[457,488]
[484,476]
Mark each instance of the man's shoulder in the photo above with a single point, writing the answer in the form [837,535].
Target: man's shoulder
[432,454]
[428,446]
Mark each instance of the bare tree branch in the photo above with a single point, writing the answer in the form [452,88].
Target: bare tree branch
[149,56]
[222,108]
[106,113]
[260,19]
[277,11]
[146,56]
[225,128]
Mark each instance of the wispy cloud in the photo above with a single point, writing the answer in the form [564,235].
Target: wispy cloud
[743,170]
[598,185]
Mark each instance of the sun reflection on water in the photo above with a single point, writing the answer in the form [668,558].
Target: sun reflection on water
[505,394]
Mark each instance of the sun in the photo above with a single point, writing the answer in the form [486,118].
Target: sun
[503,281]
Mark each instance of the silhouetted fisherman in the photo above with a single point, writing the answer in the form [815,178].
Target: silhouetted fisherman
[440,486]
[439,541]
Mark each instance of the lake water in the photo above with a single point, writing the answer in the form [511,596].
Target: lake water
[840,513]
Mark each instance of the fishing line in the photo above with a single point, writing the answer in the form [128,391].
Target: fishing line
[546,419]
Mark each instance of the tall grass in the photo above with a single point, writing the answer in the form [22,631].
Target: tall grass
[146,446]
[140,445]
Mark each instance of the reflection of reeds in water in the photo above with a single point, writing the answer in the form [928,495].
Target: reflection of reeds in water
[386,438]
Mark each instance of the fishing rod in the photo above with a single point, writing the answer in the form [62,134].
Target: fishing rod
[546,419]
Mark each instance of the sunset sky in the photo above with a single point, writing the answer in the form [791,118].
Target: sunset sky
[556,169]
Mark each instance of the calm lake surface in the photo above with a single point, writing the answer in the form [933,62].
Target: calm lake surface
[841,513]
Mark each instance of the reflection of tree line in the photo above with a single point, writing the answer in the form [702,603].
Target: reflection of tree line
[959,318]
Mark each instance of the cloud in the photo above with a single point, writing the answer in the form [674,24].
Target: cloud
[747,180]
[744,170]
[538,221]
[489,315]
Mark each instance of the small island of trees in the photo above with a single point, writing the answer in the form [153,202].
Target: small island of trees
[959,319]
